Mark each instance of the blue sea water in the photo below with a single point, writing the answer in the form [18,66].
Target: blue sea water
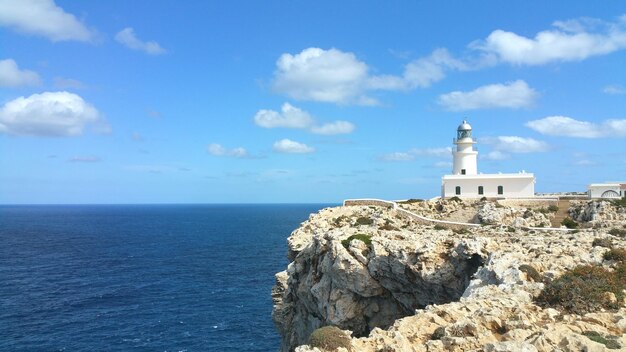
[142,277]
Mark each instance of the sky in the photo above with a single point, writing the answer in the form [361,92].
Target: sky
[109,102]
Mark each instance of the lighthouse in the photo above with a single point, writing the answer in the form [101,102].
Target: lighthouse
[466,182]
[464,157]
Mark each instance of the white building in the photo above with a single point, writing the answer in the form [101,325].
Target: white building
[607,190]
[466,182]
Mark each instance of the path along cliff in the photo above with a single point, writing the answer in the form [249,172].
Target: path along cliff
[398,285]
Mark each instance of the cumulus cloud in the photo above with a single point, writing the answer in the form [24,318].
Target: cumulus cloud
[503,146]
[218,150]
[128,38]
[569,127]
[293,117]
[44,18]
[292,147]
[49,114]
[425,71]
[614,89]
[336,127]
[512,95]
[12,76]
[571,40]
[322,75]
[289,117]
[413,153]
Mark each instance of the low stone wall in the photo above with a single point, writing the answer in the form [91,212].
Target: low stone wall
[429,221]
[368,202]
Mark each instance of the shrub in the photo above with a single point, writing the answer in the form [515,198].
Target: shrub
[569,223]
[617,232]
[329,338]
[439,227]
[584,290]
[527,214]
[367,239]
[461,231]
[617,254]
[364,221]
[339,220]
[620,202]
[553,208]
[387,227]
[456,199]
[439,333]
[610,343]
[412,200]
[483,199]
[530,272]
[602,242]
[510,229]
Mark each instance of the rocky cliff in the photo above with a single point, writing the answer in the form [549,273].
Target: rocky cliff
[397,285]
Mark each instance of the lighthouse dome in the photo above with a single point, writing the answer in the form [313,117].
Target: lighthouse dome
[464,126]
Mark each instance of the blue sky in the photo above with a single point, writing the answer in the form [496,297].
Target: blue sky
[293,101]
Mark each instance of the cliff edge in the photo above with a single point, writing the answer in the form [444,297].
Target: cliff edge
[398,285]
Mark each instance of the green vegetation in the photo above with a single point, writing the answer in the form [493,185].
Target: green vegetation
[530,272]
[569,223]
[585,289]
[387,226]
[483,199]
[439,227]
[617,254]
[364,221]
[553,208]
[609,342]
[602,242]
[338,220]
[367,239]
[329,338]
[510,229]
[618,232]
[620,202]
[439,333]
[461,231]
[410,201]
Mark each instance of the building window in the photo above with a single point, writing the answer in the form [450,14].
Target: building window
[500,190]
[462,171]
[457,190]
[481,190]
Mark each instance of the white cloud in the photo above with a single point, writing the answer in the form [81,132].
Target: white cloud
[293,117]
[497,155]
[49,114]
[336,127]
[425,71]
[569,127]
[514,144]
[128,38]
[398,156]
[512,95]
[415,152]
[12,76]
[289,146]
[289,117]
[443,164]
[218,150]
[614,89]
[322,75]
[44,18]
[572,40]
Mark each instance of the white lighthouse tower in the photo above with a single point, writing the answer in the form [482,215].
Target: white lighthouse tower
[464,157]
[466,182]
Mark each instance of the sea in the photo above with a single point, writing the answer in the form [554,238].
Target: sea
[142,277]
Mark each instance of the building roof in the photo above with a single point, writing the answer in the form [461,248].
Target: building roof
[488,176]
[464,126]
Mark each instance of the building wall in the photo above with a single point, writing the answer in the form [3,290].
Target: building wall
[521,187]
[597,191]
